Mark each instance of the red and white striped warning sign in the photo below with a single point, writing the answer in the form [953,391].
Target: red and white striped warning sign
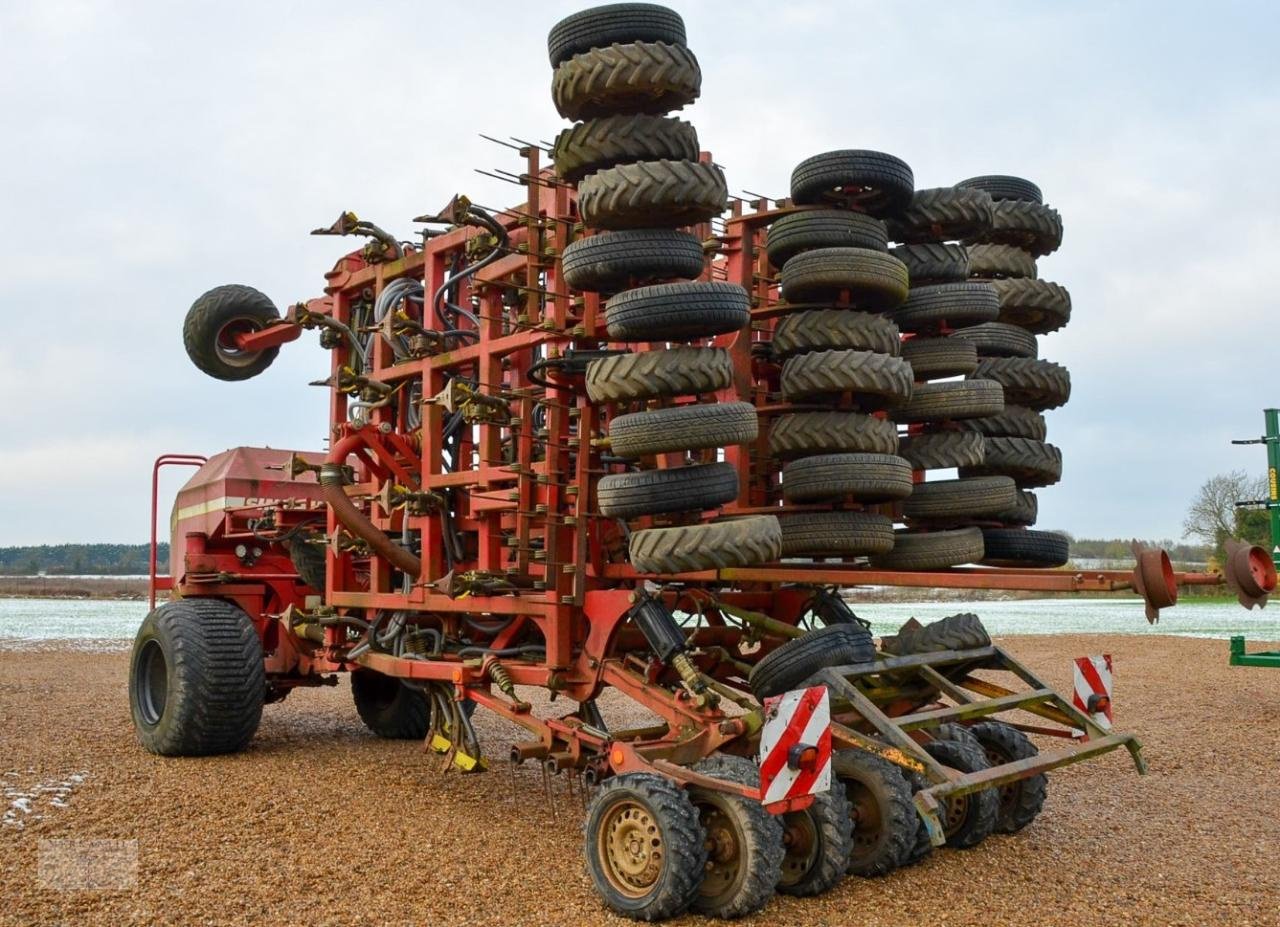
[1093,689]
[795,745]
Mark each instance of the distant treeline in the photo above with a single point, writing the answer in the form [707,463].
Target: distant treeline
[1122,549]
[73,559]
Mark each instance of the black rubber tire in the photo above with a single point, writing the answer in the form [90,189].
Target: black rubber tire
[614,261]
[999,339]
[932,358]
[657,492]
[1000,261]
[958,732]
[809,229]
[819,866]
[1004,187]
[715,545]
[927,308]
[684,856]
[1020,547]
[309,560]
[935,550]
[757,833]
[218,314]
[792,663]
[1029,462]
[830,373]
[1021,801]
[943,450]
[1013,422]
[650,78]
[873,182]
[597,144]
[873,279]
[931,264]
[834,330]
[835,534]
[602,26]
[1036,384]
[658,373]
[963,631]
[677,311]
[950,400]
[825,607]
[1035,228]
[388,707]
[1039,306]
[863,477]
[884,829]
[683,428]
[797,434]
[970,819]
[965,497]
[650,194]
[197,682]
[942,214]
[1022,514]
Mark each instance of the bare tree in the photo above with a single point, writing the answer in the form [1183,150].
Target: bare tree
[1212,515]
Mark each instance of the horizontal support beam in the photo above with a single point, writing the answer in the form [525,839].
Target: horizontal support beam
[972,709]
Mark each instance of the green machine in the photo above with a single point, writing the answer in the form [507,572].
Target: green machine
[1257,567]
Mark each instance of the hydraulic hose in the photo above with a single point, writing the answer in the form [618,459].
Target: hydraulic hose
[355,521]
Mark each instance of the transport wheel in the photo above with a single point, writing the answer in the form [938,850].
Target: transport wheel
[1030,463]
[835,534]
[950,400]
[933,263]
[834,330]
[958,304]
[1039,306]
[602,26]
[598,144]
[1013,422]
[677,311]
[656,492]
[955,632]
[1036,384]
[881,810]
[797,434]
[1022,513]
[388,707]
[613,261]
[967,497]
[999,339]
[680,428]
[1018,547]
[943,214]
[729,542]
[969,819]
[817,843]
[196,679]
[943,450]
[1004,187]
[829,373]
[646,194]
[309,560]
[214,320]
[864,477]
[645,848]
[934,550]
[1000,261]
[744,862]
[933,358]
[791,664]
[870,181]
[651,78]
[656,374]
[1034,227]
[874,280]
[810,229]
[1021,801]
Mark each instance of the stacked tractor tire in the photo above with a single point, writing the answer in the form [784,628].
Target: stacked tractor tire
[620,70]
[838,355]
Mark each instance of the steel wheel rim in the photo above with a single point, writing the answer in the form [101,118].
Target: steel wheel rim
[802,843]
[224,343]
[724,869]
[957,809]
[868,822]
[1008,793]
[151,683]
[630,848]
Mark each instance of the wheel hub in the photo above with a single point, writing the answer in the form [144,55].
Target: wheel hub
[800,838]
[632,849]
[724,852]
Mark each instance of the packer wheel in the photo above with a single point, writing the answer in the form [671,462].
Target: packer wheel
[816,842]
[881,812]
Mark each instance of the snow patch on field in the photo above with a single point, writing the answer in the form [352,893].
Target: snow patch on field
[28,804]
[64,645]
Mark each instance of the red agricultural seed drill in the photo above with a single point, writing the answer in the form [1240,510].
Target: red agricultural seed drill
[627,434]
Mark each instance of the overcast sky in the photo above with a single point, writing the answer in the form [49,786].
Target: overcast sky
[153,150]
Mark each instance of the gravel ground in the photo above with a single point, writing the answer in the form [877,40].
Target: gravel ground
[321,823]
